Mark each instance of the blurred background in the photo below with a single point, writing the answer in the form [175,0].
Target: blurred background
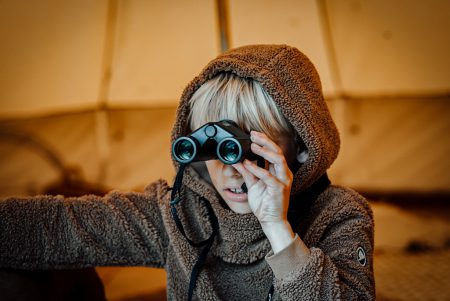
[89,89]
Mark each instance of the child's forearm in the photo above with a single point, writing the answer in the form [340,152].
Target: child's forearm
[280,235]
[53,232]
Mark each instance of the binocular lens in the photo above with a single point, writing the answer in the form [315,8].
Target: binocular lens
[184,150]
[230,151]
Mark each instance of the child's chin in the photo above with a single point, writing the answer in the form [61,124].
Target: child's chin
[240,208]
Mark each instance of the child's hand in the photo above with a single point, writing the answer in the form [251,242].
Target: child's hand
[268,189]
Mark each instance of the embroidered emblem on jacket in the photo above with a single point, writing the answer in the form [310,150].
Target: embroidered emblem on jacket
[362,258]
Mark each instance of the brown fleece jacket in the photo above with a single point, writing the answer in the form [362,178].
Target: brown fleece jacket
[335,229]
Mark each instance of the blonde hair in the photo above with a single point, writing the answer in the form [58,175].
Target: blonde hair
[243,100]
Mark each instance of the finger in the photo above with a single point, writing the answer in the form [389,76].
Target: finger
[269,155]
[279,165]
[272,169]
[248,177]
[276,157]
[262,174]
[263,140]
[272,149]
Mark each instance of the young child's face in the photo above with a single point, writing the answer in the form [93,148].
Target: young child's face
[228,181]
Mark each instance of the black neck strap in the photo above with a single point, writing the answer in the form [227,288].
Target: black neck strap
[207,243]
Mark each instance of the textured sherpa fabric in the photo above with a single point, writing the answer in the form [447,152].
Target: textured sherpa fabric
[291,79]
[331,257]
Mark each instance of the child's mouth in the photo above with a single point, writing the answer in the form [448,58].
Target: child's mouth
[236,190]
[236,195]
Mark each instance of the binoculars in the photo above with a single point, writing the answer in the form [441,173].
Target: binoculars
[222,140]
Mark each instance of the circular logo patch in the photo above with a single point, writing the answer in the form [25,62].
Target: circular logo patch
[362,258]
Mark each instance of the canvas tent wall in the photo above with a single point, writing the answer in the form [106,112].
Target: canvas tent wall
[97,82]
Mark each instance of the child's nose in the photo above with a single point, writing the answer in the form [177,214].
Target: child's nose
[230,171]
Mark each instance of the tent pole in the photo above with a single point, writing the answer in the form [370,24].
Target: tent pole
[224,30]
[102,123]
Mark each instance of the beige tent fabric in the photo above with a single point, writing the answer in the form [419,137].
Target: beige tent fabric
[64,56]
[62,59]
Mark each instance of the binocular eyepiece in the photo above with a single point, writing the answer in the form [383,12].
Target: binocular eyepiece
[222,140]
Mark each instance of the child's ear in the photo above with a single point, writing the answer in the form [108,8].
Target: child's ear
[302,152]
[302,156]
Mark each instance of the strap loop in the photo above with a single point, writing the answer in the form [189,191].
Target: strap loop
[207,243]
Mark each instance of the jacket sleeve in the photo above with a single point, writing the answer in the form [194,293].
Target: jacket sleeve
[46,232]
[340,266]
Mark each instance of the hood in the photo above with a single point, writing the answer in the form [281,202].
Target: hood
[291,80]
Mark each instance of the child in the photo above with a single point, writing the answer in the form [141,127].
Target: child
[291,236]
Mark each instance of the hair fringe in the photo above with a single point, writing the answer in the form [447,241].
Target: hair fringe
[243,100]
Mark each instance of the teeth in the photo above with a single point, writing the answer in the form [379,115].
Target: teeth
[236,190]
